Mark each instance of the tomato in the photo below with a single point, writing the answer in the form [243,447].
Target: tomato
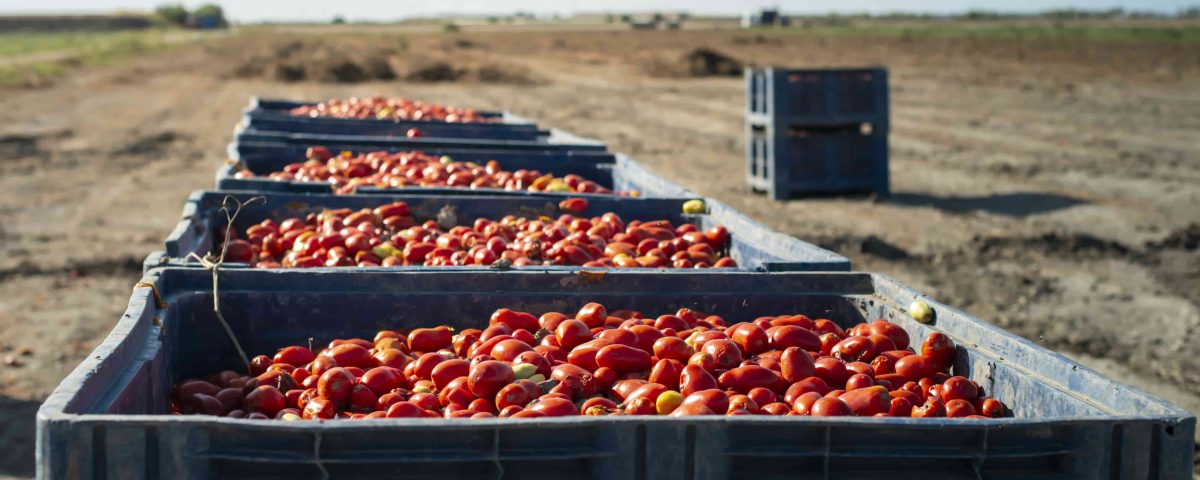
[362,399]
[858,381]
[507,350]
[667,372]
[891,330]
[796,364]
[742,402]
[823,326]
[695,378]
[593,315]
[515,320]
[762,396]
[785,336]
[494,331]
[670,321]
[688,410]
[260,364]
[939,349]
[715,400]
[294,356]
[382,380]
[649,391]
[726,353]
[573,205]
[426,401]
[831,370]
[931,408]
[486,378]
[959,408]
[449,370]
[990,407]
[958,388]
[267,400]
[853,349]
[915,367]
[429,339]
[868,401]
[751,338]
[549,321]
[619,336]
[830,407]
[671,348]
[584,357]
[623,358]
[803,403]
[810,384]
[553,407]
[335,385]
[743,379]
[319,408]
[540,363]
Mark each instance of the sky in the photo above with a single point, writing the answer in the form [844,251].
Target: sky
[384,10]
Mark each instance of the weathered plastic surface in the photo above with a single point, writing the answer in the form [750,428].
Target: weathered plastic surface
[752,245]
[558,140]
[821,97]
[107,418]
[604,168]
[273,116]
[791,161]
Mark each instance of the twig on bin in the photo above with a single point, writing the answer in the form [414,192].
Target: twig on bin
[214,265]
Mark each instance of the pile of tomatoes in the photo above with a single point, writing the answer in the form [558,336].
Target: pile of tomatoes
[389,236]
[384,108]
[346,172]
[601,363]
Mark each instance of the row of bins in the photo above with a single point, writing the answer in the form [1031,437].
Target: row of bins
[109,418]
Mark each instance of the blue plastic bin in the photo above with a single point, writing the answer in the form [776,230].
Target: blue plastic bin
[816,97]
[817,131]
[558,140]
[108,419]
[752,246]
[796,160]
[272,115]
[614,171]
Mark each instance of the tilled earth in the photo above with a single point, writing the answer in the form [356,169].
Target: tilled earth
[1050,187]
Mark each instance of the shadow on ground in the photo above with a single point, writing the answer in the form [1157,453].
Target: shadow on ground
[1021,204]
[18,436]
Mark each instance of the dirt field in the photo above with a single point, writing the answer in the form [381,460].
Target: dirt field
[1047,186]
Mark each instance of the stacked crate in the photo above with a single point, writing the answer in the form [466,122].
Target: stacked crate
[109,419]
[816,131]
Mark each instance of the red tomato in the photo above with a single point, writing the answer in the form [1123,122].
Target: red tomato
[830,407]
[623,359]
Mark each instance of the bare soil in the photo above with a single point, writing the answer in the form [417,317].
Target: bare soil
[1050,187]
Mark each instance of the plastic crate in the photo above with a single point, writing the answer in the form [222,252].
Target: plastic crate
[817,97]
[614,171]
[752,245]
[107,418]
[558,140]
[785,162]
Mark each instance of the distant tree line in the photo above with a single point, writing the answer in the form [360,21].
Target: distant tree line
[206,16]
[1057,14]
